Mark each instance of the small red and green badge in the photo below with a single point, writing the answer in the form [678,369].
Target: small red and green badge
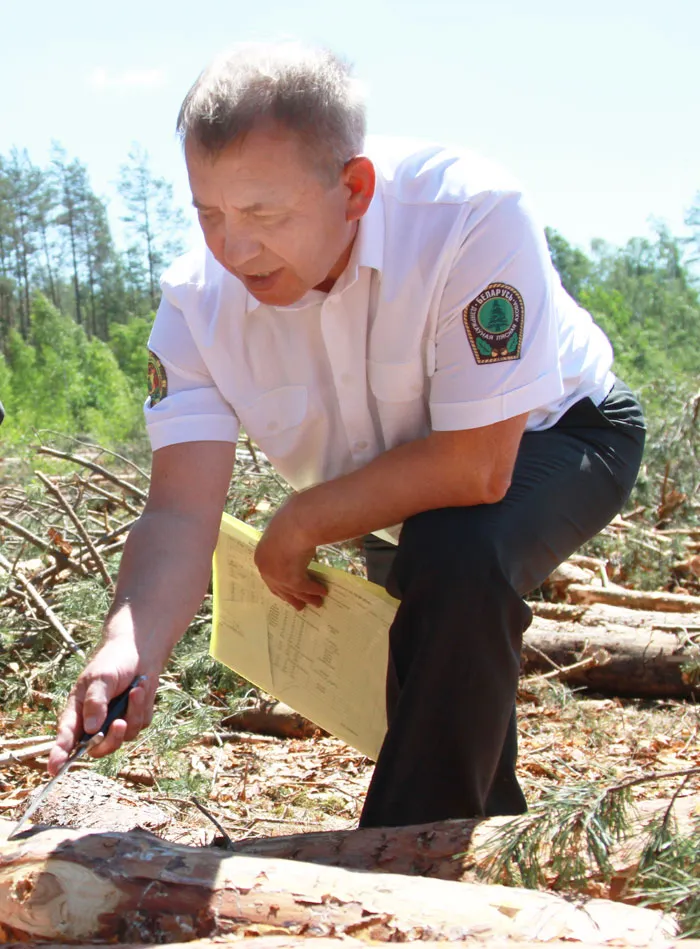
[157,379]
[494,323]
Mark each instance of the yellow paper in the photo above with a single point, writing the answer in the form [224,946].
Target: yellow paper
[329,664]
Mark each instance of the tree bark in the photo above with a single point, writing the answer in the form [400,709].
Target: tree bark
[646,653]
[78,886]
[254,941]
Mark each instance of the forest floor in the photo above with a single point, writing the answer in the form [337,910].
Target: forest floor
[256,784]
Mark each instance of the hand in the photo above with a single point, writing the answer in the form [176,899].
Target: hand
[108,673]
[283,555]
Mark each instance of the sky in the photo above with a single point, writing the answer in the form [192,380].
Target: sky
[594,105]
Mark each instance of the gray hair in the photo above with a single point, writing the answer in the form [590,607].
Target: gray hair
[308,91]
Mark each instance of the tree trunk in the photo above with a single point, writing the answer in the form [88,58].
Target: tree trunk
[78,886]
[646,654]
[254,941]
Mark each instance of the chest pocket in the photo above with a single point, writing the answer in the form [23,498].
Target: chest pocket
[396,381]
[274,419]
[400,390]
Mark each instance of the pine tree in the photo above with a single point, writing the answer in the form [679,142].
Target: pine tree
[152,217]
[23,183]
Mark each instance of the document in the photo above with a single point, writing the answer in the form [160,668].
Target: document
[327,663]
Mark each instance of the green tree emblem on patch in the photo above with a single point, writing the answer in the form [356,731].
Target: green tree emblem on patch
[496,316]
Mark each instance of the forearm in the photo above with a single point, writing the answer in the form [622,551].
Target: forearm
[162,580]
[419,476]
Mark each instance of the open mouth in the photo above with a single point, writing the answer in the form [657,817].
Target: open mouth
[260,281]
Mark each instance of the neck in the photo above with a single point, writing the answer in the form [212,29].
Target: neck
[339,266]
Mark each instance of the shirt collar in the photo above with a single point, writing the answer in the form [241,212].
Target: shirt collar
[368,250]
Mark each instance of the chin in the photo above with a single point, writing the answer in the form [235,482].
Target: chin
[275,298]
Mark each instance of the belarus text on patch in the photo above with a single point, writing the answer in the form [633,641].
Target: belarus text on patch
[494,323]
[157,379]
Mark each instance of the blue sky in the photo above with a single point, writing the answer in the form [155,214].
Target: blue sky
[593,105]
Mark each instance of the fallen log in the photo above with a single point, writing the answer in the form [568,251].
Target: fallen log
[81,886]
[20,754]
[641,661]
[636,599]
[446,850]
[272,718]
[254,941]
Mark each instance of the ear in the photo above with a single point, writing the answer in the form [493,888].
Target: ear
[360,179]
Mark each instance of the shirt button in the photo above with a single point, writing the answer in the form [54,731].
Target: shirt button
[272,426]
[360,446]
[346,379]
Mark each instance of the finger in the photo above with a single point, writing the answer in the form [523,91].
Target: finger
[97,697]
[299,598]
[316,601]
[311,592]
[291,599]
[312,587]
[138,713]
[112,740]
[66,735]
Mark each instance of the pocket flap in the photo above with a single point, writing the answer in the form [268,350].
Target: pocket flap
[275,411]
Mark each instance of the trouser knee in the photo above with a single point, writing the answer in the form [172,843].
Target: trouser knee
[455,549]
[450,569]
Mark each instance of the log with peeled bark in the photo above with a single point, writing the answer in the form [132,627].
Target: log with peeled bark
[637,599]
[80,886]
[344,942]
[272,718]
[647,651]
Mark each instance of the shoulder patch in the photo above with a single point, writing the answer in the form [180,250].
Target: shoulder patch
[157,379]
[494,323]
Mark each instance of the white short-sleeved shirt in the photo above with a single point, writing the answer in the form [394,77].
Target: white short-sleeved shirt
[449,316]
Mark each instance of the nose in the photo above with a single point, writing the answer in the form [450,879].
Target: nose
[240,248]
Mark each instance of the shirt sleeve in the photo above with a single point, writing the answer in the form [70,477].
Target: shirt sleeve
[189,405]
[496,343]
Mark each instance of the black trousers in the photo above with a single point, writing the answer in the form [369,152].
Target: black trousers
[460,574]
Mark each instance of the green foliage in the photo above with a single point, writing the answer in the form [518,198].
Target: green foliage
[555,843]
[59,378]
[644,299]
[574,268]
[128,341]
[572,830]
[152,218]
[669,873]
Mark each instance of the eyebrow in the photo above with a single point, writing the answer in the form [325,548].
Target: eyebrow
[209,207]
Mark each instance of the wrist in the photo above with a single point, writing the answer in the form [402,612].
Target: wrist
[300,522]
[121,632]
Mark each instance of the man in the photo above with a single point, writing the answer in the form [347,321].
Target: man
[386,324]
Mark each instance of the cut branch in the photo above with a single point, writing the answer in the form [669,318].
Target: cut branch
[23,754]
[62,559]
[42,606]
[93,466]
[80,527]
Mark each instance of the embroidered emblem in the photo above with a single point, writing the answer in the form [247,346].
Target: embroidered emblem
[494,323]
[157,379]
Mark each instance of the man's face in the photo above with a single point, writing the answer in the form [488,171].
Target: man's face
[269,219]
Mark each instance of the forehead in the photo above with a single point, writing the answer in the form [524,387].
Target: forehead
[269,164]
